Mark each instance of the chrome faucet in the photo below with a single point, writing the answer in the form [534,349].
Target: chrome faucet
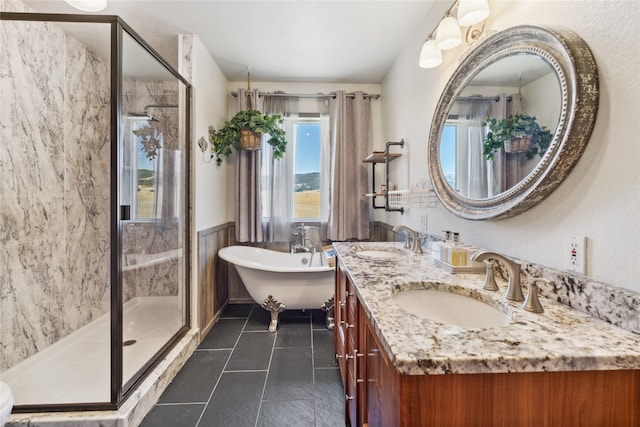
[305,243]
[514,289]
[417,247]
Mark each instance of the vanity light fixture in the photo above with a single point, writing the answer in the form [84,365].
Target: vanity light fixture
[448,33]
[88,5]
[471,12]
[430,55]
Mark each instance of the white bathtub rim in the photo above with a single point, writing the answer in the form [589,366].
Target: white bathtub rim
[230,254]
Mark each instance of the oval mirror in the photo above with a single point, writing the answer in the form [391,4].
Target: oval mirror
[512,121]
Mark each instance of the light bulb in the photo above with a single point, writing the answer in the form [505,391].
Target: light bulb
[471,12]
[430,55]
[88,5]
[448,35]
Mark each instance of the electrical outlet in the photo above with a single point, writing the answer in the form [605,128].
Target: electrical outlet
[575,253]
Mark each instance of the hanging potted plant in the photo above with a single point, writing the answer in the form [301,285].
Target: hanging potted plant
[245,130]
[519,133]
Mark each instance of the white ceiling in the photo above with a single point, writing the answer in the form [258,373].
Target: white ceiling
[293,41]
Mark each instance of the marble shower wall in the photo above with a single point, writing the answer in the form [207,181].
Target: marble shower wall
[54,186]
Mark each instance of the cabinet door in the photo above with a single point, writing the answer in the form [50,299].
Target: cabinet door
[380,385]
[351,350]
[340,313]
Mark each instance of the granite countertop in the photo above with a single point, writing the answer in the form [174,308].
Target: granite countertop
[559,339]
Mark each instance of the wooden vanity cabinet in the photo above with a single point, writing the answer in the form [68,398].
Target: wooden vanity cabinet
[340,316]
[347,338]
[379,396]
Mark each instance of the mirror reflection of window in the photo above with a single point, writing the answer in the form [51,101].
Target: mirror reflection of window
[448,152]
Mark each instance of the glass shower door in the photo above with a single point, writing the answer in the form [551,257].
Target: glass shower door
[153,177]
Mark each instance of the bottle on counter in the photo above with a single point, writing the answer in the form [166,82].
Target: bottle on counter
[445,247]
[457,253]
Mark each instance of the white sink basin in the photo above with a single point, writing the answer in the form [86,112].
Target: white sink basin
[380,253]
[450,308]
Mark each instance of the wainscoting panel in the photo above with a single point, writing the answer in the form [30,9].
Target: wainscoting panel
[383,232]
[212,276]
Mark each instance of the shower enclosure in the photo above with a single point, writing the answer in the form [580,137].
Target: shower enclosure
[94,184]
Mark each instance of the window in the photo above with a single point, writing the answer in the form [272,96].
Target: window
[306,169]
[295,187]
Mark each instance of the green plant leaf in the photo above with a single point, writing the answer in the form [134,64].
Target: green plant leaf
[515,126]
[229,136]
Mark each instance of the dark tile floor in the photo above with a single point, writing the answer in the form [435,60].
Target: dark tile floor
[243,375]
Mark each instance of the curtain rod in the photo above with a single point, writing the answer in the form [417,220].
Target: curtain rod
[310,95]
[481,98]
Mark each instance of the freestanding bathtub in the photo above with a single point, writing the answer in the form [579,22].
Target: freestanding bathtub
[281,280]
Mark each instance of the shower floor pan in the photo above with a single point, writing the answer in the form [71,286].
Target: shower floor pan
[76,369]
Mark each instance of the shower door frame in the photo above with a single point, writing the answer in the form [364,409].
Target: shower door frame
[119,392]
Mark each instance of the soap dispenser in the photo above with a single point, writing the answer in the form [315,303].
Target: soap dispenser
[457,252]
[445,247]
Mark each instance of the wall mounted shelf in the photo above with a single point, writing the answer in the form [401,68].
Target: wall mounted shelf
[383,157]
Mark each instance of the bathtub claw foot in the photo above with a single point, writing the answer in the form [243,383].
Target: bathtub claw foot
[327,306]
[275,308]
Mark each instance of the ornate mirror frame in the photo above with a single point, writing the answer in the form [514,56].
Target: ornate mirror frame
[575,67]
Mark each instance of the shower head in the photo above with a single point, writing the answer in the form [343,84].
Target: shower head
[145,115]
[141,116]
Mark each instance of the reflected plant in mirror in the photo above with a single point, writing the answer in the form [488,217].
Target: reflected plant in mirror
[517,134]
[512,121]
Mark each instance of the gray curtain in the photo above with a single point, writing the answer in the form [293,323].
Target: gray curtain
[504,169]
[248,212]
[349,143]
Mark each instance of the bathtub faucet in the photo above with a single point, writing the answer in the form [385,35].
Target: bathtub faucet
[306,247]
[305,243]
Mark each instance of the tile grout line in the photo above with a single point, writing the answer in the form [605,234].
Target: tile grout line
[180,403]
[266,377]
[313,374]
[224,367]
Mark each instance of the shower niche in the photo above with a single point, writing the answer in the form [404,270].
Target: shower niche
[93,198]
